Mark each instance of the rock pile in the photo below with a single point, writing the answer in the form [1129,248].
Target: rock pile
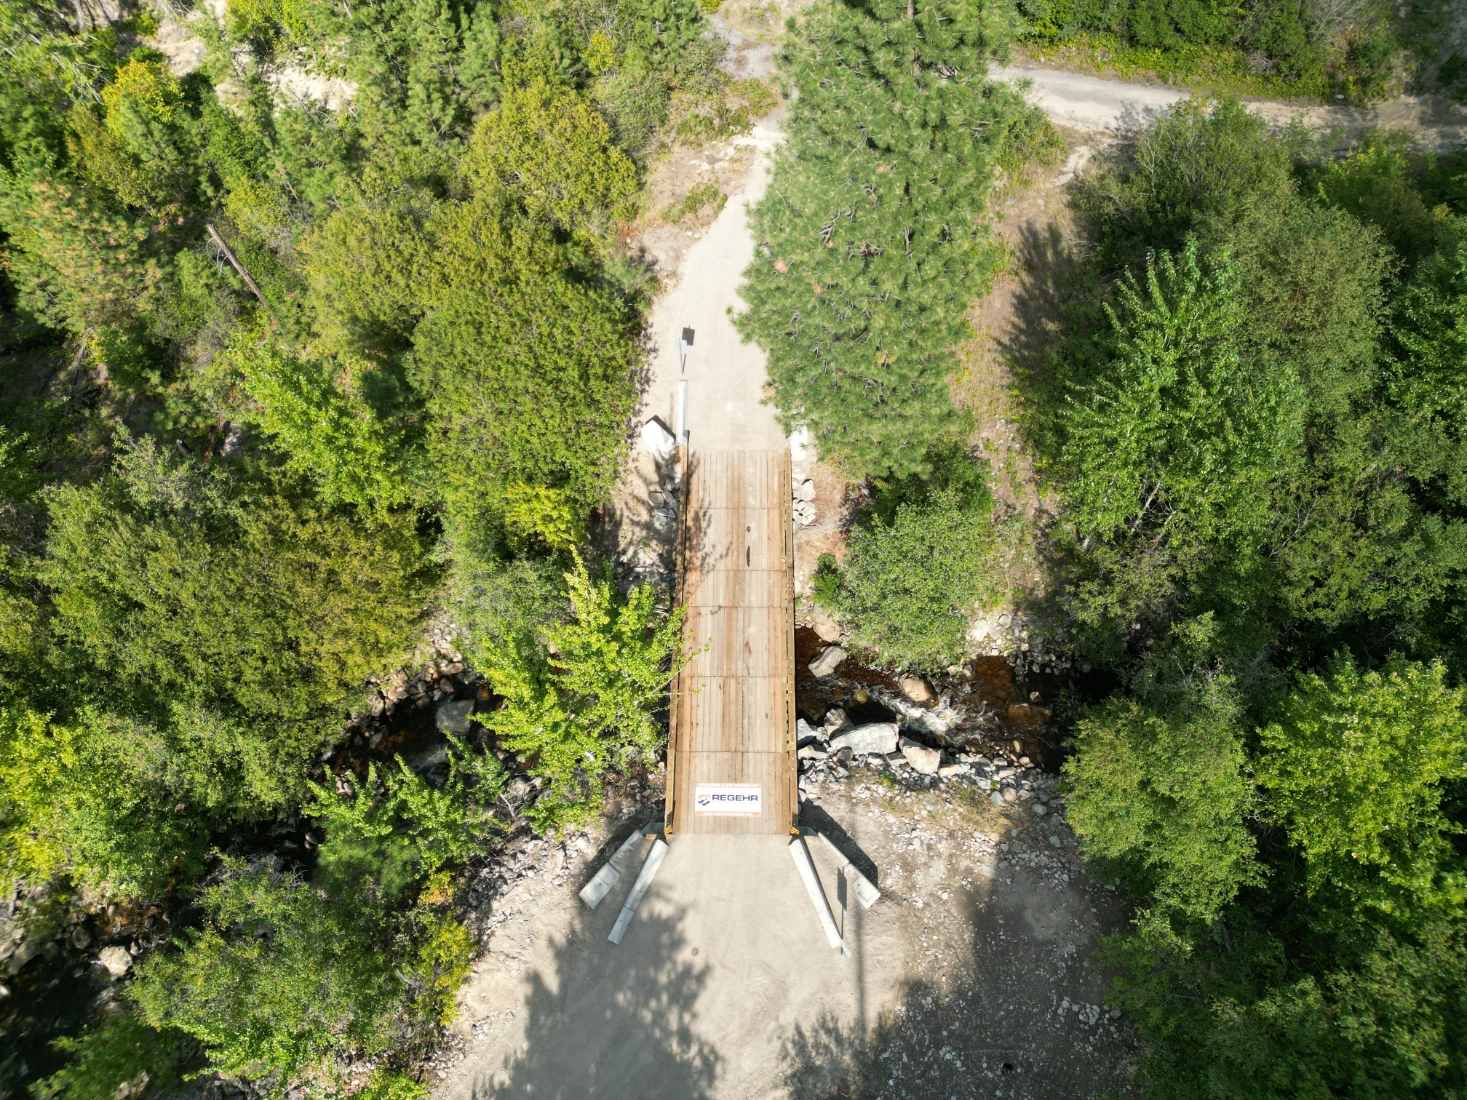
[803,504]
[1026,643]
[828,752]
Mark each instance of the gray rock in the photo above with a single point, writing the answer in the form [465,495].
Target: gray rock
[1041,809]
[80,938]
[872,737]
[22,955]
[805,734]
[115,960]
[836,720]
[996,798]
[1008,794]
[429,758]
[805,490]
[947,771]
[454,717]
[1055,841]
[811,752]
[923,760]
[827,662]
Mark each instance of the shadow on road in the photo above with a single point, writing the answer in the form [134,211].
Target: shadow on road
[597,1022]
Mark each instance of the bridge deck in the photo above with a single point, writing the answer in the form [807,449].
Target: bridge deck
[733,711]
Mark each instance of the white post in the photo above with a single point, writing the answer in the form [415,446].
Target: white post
[682,411]
[801,855]
[634,899]
[599,886]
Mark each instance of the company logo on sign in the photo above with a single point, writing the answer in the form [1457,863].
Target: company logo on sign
[728,799]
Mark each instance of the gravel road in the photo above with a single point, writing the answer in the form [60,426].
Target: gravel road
[1094,103]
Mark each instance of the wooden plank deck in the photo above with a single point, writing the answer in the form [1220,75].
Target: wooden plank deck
[733,706]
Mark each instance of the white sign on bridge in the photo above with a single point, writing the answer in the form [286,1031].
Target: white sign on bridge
[728,799]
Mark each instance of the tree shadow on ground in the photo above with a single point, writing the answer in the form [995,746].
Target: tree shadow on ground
[611,1020]
[993,1024]
[1048,303]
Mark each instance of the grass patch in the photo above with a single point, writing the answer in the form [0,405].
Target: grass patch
[702,195]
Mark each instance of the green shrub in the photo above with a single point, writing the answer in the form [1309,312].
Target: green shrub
[1159,800]
[582,697]
[403,821]
[911,582]
[1354,767]
[281,977]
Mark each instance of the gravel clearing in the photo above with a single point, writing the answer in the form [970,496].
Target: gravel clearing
[974,975]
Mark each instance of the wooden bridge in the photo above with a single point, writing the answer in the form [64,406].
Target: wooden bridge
[731,760]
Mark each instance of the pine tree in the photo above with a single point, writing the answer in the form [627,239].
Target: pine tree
[871,236]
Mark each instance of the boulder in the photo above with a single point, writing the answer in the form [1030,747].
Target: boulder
[863,740]
[115,960]
[805,734]
[827,629]
[923,760]
[429,758]
[915,688]
[454,717]
[836,721]
[827,662]
[805,490]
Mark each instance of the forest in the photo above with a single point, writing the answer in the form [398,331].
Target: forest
[295,392]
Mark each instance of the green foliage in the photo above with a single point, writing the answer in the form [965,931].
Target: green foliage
[589,704]
[547,151]
[120,1055]
[1159,799]
[328,431]
[1373,183]
[1275,48]
[438,824]
[1179,436]
[1354,765]
[1431,329]
[279,977]
[1201,165]
[870,237]
[826,584]
[215,611]
[699,196]
[912,581]
[526,370]
[87,800]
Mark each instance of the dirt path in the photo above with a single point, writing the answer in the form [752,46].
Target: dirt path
[1093,103]
[975,974]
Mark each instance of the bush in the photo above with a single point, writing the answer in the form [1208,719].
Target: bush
[911,582]
[581,698]
[283,975]
[1354,766]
